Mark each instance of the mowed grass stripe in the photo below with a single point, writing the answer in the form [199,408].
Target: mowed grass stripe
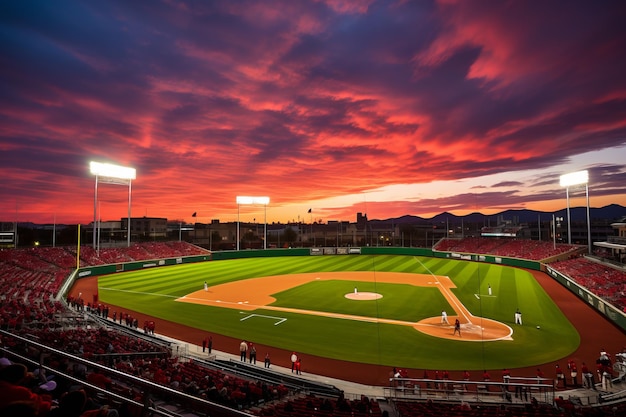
[389,263]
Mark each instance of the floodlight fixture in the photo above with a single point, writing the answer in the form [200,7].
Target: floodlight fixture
[574,178]
[111,174]
[555,220]
[571,179]
[112,171]
[247,200]
[253,200]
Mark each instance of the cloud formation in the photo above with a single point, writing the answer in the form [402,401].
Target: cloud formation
[312,103]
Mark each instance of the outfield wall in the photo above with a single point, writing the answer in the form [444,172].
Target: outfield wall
[134,266]
[500,260]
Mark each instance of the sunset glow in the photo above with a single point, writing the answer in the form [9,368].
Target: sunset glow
[387,108]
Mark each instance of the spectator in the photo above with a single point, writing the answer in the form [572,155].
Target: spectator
[13,390]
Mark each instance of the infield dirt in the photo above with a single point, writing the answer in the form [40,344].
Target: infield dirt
[255,293]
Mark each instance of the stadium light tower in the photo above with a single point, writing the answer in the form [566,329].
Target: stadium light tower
[253,200]
[568,180]
[554,224]
[111,174]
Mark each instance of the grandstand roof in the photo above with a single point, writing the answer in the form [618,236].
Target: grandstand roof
[610,245]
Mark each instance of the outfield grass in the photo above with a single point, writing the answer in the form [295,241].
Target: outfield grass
[153,292]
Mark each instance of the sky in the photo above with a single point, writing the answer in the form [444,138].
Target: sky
[387,108]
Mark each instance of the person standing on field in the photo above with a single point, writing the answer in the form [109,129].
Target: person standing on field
[299,367]
[444,317]
[252,354]
[560,377]
[243,349]
[457,327]
[294,359]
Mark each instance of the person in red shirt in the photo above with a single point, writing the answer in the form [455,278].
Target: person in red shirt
[466,377]
[446,377]
[588,377]
[299,367]
[486,378]
[539,376]
[573,371]
[560,376]
[426,376]
[506,378]
[11,390]
[99,380]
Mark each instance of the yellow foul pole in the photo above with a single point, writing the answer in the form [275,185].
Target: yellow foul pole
[78,249]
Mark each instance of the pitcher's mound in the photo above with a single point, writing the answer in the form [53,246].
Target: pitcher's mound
[363,296]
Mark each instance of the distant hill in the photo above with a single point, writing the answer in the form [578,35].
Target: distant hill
[610,212]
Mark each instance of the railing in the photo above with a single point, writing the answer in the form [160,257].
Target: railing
[474,391]
[617,239]
[152,393]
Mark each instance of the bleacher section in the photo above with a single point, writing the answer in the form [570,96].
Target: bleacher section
[322,406]
[33,322]
[602,280]
[513,248]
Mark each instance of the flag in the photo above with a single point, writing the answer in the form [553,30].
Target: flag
[310,210]
[194,214]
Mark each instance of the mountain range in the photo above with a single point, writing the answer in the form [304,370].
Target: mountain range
[610,212]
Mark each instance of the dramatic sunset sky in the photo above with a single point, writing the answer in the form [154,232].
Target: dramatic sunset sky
[383,107]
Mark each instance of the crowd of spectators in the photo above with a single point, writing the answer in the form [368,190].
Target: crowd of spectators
[27,392]
[602,280]
[535,250]
[28,308]
[31,278]
[312,405]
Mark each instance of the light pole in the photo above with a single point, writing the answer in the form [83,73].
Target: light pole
[568,180]
[253,200]
[554,220]
[111,174]
[311,213]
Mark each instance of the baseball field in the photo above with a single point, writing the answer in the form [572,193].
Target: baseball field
[370,309]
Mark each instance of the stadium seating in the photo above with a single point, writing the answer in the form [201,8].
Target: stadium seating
[607,283]
[31,278]
[513,248]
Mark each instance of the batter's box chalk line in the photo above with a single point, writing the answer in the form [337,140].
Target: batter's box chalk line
[279,320]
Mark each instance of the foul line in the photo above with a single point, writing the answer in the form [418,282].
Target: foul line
[449,295]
